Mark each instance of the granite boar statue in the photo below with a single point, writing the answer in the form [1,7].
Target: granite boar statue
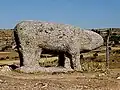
[32,37]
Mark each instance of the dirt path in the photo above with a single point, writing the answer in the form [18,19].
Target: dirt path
[71,81]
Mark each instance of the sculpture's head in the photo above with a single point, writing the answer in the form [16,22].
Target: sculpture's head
[90,40]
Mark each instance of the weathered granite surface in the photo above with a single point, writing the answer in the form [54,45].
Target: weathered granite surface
[33,36]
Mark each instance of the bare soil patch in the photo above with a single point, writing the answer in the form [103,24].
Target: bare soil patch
[61,81]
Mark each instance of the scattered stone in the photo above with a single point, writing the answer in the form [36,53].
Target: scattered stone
[97,75]
[0,67]
[44,85]
[1,81]
[13,66]
[102,74]
[118,78]
[5,69]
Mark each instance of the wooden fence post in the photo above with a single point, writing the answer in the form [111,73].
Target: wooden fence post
[107,49]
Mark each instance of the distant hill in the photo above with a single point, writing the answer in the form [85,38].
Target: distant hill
[113,30]
[114,34]
[5,39]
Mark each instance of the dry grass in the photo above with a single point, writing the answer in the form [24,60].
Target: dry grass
[47,62]
[8,55]
[9,62]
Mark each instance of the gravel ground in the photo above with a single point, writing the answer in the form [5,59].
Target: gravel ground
[71,81]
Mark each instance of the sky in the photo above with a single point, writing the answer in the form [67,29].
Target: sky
[81,13]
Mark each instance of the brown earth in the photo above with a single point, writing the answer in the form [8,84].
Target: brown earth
[70,81]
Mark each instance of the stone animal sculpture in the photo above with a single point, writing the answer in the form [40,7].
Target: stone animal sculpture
[32,37]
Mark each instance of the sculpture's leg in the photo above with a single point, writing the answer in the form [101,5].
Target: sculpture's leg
[75,56]
[64,61]
[31,56]
[67,63]
[76,62]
